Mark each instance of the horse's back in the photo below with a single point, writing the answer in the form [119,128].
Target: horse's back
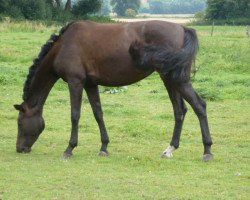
[102,50]
[155,31]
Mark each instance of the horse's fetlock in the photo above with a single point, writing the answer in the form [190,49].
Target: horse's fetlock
[73,144]
[208,143]
[75,117]
[105,140]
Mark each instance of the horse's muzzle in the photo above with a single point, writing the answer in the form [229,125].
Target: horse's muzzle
[23,149]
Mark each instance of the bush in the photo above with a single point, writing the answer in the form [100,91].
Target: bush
[100,19]
[49,13]
[84,7]
[61,15]
[15,12]
[29,9]
[120,6]
[130,13]
[34,10]
[200,15]
[224,9]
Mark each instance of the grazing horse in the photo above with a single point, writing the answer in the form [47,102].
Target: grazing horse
[86,54]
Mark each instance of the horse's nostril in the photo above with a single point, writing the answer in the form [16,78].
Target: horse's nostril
[27,149]
[23,149]
[19,150]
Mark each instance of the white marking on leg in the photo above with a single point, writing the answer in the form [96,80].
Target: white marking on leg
[168,153]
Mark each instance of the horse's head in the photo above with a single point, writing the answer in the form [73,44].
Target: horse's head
[30,126]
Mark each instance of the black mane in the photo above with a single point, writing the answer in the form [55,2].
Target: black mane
[36,62]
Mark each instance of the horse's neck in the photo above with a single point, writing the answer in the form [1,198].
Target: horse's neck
[40,87]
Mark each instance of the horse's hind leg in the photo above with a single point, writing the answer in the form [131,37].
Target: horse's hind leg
[75,89]
[94,99]
[180,110]
[199,107]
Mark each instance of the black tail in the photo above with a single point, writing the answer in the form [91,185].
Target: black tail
[166,60]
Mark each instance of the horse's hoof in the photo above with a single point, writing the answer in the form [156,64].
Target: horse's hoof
[167,155]
[103,153]
[207,157]
[67,155]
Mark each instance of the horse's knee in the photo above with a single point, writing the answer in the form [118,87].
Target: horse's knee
[200,110]
[179,116]
[75,117]
[98,116]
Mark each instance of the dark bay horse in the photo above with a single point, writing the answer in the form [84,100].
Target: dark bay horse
[87,54]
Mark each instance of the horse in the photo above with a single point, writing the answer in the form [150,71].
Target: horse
[86,54]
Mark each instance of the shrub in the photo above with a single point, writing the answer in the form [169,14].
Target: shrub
[34,10]
[84,7]
[15,12]
[130,13]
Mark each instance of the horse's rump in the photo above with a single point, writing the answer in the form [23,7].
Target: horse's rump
[163,58]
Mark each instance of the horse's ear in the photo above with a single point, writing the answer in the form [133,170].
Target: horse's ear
[19,107]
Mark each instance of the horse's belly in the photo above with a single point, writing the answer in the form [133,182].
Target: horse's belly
[116,74]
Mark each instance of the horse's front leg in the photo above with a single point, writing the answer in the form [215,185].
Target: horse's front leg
[94,99]
[180,110]
[75,89]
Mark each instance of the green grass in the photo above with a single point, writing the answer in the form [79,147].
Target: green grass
[140,123]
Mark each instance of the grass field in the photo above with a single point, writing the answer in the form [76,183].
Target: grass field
[140,123]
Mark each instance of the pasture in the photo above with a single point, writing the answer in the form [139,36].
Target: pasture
[140,122]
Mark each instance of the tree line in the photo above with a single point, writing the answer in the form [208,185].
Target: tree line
[48,9]
[174,7]
[63,10]
[227,9]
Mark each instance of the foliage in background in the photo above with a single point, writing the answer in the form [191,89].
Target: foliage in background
[57,10]
[121,6]
[221,12]
[84,7]
[224,9]
[174,7]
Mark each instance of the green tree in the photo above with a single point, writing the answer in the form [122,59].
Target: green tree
[60,10]
[120,6]
[29,9]
[84,7]
[227,9]
[34,10]
[4,5]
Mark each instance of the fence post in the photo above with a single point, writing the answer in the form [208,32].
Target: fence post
[212,31]
[247,31]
